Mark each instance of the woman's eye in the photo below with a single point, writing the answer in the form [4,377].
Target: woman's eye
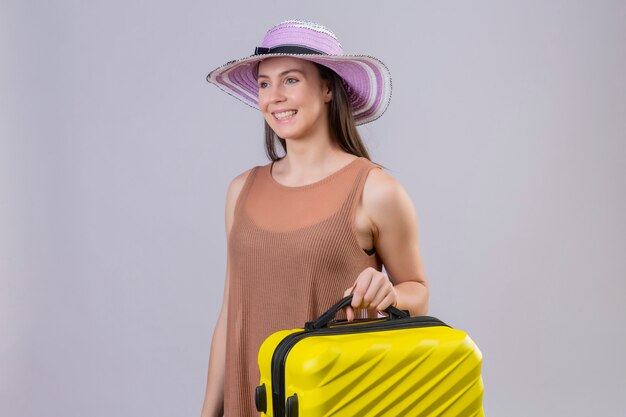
[262,84]
[291,80]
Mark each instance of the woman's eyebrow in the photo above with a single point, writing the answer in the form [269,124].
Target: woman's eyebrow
[282,73]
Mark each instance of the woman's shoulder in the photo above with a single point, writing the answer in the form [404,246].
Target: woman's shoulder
[383,194]
[380,184]
[237,183]
[232,195]
[239,180]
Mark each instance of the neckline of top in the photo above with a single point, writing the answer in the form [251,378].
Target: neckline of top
[326,178]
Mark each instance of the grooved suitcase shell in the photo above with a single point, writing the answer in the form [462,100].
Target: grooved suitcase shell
[409,372]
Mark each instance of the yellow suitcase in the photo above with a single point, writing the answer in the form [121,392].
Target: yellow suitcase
[396,366]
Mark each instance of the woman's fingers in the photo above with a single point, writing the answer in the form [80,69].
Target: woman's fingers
[349,309]
[380,297]
[360,288]
[376,283]
[390,299]
[349,313]
[371,290]
[349,291]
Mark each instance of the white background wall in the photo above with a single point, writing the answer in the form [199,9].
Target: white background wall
[507,127]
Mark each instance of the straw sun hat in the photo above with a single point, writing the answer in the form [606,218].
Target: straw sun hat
[366,79]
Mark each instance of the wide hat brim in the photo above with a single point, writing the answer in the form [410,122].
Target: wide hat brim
[366,79]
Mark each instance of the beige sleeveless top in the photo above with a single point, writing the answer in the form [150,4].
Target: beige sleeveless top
[292,251]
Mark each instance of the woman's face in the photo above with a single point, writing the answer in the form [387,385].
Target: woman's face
[293,98]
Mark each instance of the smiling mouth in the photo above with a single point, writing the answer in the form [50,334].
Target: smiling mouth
[285,114]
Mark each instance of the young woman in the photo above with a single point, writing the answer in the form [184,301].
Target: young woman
[317,223]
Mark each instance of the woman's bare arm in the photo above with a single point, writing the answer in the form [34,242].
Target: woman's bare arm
[394,228]
[213,405]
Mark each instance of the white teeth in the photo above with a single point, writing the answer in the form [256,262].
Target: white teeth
[285,114]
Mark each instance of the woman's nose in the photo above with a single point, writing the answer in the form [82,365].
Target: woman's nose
[276,94]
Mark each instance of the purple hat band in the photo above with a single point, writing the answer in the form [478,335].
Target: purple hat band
[366,79]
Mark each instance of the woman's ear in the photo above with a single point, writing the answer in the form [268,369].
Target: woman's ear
[328,92]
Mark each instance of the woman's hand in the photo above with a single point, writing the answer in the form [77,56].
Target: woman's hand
[372,290]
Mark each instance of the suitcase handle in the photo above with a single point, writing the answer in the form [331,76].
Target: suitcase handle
[328,316]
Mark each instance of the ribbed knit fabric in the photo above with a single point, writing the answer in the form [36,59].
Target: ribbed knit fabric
[293,252]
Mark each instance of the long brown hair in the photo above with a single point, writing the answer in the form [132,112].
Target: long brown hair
[342,127]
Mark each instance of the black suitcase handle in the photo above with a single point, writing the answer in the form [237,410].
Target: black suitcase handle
[328,316]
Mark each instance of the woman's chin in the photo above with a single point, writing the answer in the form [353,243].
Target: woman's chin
[284,133]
